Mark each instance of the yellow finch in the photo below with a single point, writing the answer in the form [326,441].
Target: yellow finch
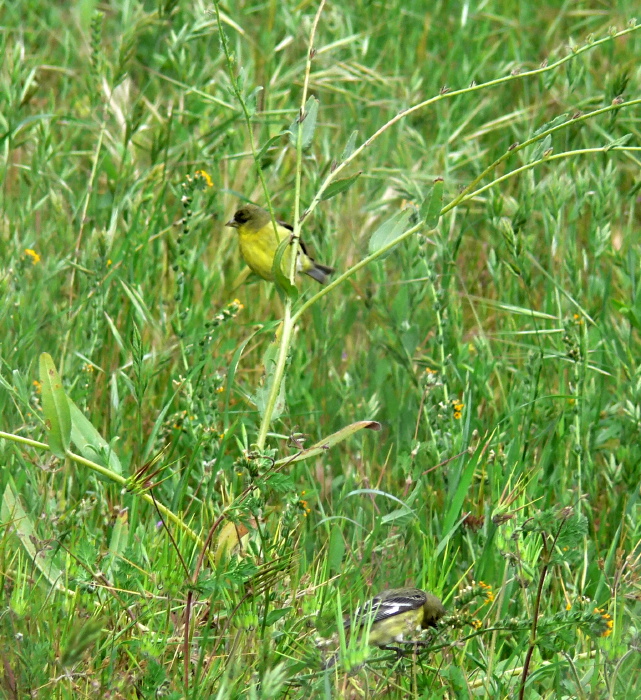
[258,244]
[395,613]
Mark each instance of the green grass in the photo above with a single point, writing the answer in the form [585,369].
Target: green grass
[497,345]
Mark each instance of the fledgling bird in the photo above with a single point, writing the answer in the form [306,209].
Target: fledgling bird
[396,612]
[259,242]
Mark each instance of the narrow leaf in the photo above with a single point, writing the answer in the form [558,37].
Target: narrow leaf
[350,146]
[432,204]
[308,124]
[262,393]
[267,145]
[251,100]
[618,142]
[55,407]
[557,121]
[457,499]
[332,440]
[117,544]
[339,186]
[391,229]
[541,147]
[336,550]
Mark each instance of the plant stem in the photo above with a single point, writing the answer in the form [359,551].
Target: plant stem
[112,476]
[288,320]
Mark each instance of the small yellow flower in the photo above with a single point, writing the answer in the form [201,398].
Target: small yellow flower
[37,385]
[205,176]
[35,258]
[489,595]
[220,389]
[457,415]
[109,262]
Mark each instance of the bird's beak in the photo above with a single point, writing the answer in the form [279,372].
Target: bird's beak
[232,223]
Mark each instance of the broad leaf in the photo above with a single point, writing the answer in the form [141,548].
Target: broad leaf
[432,204]
[55,407]
[339,186]
[390,230]
[308,124]
[350,146]
[90,443]
[280,276]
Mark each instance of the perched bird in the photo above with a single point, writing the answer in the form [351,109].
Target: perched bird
[395,613]
[258,244]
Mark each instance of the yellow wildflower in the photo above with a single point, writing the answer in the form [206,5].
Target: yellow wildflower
[35,258]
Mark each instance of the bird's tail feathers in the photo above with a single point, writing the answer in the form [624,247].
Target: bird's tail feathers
[320,272]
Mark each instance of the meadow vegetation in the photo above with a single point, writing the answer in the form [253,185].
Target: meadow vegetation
[201,472]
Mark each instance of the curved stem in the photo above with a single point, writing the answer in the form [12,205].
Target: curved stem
[112,476]
[447,208]
[447,94]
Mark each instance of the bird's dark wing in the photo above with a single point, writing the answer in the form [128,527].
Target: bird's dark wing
[289,227]
[285,224]
[386,605]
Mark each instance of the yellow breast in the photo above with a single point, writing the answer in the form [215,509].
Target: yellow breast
[258,249]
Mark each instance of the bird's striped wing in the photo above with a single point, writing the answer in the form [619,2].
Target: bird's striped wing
[386,605]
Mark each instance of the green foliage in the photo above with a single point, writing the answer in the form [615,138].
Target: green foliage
[461,414]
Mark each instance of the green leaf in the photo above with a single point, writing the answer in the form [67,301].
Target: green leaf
[331,440]
[336,550]
[390,230]
[350,146]
[55,407]
[117,543]
[280,277]
[90,443]
[280,483]
[275,615]
[251,100]
[557,121]
[339,186]
[267,145]
[398,516]
[457,498]
[618,142]
[432,204]
[262,393]
[11,511]
[541,147]
[308,122]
